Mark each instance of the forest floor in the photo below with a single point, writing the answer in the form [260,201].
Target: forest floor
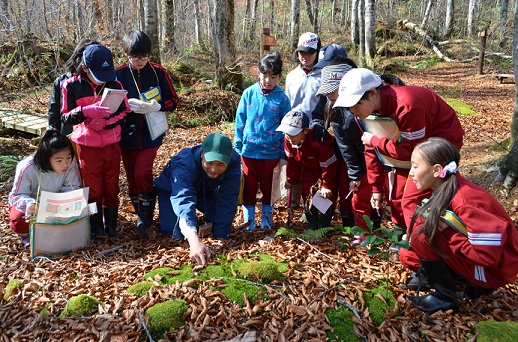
[320,274]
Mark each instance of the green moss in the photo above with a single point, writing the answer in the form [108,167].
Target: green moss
[13,285]
[236,289]
[44,312]
[490,331]
[378,308]
[82,305]
[342,324]
[460,107]
[266,271]
[170,275]
[282,266]
[140,289]
[166,316]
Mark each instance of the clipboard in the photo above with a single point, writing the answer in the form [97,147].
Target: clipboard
[384,127]
[156,121]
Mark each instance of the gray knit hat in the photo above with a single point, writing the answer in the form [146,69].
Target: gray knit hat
[331,76]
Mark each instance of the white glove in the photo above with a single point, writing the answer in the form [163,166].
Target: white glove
[142,107]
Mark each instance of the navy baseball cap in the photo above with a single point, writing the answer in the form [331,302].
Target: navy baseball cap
[99,61]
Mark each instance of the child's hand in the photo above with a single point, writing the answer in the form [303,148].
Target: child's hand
[366,138]
[95,111]
[30,211]
[326,193]
[287,186]
[97,124]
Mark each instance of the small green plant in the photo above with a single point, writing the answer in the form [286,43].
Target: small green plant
[379,237]
[309,234]
[82,305]
[44,312]
[12,288]
[378,305]
[7,168]
[166,316]
[427,63]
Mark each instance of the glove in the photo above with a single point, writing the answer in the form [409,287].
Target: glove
[97,124]
[142,107]
[318,132]
[94,111]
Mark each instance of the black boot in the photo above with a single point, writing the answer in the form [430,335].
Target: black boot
[376,218]
[97,226]
[472,292]
[325,219]
[393,247]
[312,217]
[110,221]
[441,278]
[348,219]
[146,209]
[134,202]
[417,281]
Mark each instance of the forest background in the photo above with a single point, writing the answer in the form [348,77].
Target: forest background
[208,46]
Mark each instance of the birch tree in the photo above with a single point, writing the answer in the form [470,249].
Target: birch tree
[168,24]
[361,32]
[471,11]
[448,24]
[197,23]
[426,15]
[370,28]
[312,10]
[503,18]
[354,23]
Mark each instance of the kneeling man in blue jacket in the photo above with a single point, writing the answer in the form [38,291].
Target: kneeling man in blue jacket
[204,177]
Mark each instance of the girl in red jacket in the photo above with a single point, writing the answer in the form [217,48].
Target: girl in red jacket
[461,231]
[97,133]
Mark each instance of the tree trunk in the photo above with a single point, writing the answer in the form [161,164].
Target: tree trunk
[426,14]
[354,23]
[294,28]
[448,24]
[168,24]
[509,164]
[151,23]
[197,23]
[253,18]
[312,11]
[503,18]
[370,28]
[227,70]
[471,12]
[246,20]
[272,15]
[4,11]
[361,32]
[210,22]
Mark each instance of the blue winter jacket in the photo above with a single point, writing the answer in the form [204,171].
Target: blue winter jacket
[257,117]
[192,189]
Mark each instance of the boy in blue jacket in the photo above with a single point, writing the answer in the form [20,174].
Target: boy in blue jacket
[259,113]
[205,177]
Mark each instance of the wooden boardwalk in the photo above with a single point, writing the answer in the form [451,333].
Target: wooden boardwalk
[27,122]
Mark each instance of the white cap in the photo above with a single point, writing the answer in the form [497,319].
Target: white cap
[308,42]
[354,84]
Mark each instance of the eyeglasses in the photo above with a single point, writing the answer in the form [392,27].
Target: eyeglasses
[136,58]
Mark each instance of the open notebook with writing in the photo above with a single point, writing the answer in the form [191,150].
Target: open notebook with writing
[384,127]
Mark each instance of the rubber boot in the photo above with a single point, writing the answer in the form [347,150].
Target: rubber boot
[312,217]
[324,220]
[442,280]
[97,226]
[393,247]
[417,281]
[134,202]
[376,218]
[146,209]
[472,292]
[348,219]
[110,221]
[266,216]
[249,216]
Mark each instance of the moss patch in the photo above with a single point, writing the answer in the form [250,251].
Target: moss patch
[166,275]
[236,288]
[377,307]
[340,320]
[260,270]
[140,289]
[12,288]
[82,305]
[166,316]
[460,107]
[490,331]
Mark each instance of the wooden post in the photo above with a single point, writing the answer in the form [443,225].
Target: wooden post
[483,36]
[265,32]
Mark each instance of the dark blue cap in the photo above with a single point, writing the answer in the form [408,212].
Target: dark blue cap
[99,61]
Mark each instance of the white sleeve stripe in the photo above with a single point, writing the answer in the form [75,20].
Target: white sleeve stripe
[485,242]
[328,162]
[480,274]
[414,135]
[485,235]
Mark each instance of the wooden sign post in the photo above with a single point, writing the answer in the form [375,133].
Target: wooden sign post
[482,35]
[265,42]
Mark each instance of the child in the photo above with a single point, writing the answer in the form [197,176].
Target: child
[55,96]
[308,162]
[97,133]
[138,149]
[259,113]
[419,114]
[482,249]
[52,168]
